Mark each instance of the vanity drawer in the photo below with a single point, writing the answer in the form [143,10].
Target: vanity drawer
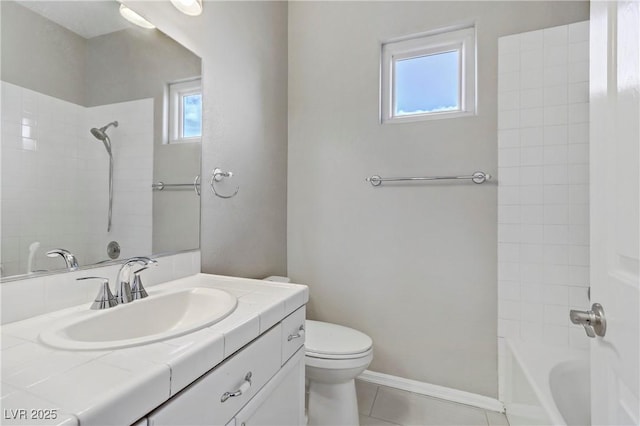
[202,403]
[293,333]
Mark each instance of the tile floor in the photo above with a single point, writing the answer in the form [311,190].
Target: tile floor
[384,406]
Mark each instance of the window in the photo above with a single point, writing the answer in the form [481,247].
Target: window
[185,112]
[429,77]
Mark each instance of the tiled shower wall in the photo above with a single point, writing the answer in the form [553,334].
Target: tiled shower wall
[543,193]
[55,179]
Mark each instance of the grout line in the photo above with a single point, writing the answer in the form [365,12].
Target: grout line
[486,418]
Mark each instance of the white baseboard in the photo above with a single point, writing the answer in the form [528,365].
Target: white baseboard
[435,391]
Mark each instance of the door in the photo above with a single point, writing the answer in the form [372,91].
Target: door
[615,198]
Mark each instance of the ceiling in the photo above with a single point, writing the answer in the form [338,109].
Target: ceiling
[88,19]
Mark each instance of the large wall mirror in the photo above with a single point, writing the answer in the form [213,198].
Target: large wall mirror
[96,112]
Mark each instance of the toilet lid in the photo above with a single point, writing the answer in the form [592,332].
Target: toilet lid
[324,338]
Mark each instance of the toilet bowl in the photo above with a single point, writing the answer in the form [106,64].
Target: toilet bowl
[334,356]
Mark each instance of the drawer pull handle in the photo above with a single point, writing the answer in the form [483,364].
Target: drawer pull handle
[242,389]
[297,335]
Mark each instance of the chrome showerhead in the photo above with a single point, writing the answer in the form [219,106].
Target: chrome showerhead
[101,134]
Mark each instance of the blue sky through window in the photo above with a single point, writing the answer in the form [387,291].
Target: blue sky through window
[427,84]
[192,110]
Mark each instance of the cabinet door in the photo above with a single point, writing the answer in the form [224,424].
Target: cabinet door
[205,403]
[281,401]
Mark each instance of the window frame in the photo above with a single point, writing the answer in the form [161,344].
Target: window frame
[175,118]
[461,40]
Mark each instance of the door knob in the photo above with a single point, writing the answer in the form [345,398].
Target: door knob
[593,321]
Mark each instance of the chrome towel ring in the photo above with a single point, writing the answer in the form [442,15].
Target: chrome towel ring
[216,176]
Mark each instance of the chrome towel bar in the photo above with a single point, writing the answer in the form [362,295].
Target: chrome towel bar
[159,186]
[476,177]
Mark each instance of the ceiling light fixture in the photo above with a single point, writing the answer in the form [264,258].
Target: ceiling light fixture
[188,7]
[134,18]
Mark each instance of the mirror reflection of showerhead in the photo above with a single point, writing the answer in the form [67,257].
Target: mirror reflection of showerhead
[101,134]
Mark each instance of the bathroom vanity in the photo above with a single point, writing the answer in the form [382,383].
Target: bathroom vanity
[248,368]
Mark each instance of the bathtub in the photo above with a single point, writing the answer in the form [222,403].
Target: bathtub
[545,385]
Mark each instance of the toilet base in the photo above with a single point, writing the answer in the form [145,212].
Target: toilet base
[333,404]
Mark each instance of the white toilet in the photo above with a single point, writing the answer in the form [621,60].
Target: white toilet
[334,356]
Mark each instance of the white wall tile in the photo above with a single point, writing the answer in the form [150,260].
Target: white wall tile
[531,136]
[509,82]
[511,44]
[545,187]
[555,335]
[532,253]
[531,79]
[532,175]
[532,40]
[509,101]
[54,292]
[579,51]
[509,62]
[531,60]
[578,72]
[509,252]
[578,32]
[509,138]
[509,176]
[532,98]
[531,195]
[556,36]
[532,215]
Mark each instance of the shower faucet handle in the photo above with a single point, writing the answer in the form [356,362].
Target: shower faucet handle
[593,321]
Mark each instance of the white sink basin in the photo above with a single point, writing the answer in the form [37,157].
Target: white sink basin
[154,318]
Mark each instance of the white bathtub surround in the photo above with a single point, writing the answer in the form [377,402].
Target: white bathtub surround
[134,380]
[29,297]
[543,193]
[546,385]
[50,160]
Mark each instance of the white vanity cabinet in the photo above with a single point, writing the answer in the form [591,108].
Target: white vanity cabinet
[262,384]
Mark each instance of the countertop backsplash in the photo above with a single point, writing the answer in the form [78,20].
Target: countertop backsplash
[29,297]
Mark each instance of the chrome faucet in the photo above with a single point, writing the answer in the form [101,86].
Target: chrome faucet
[69,259]
[593,321]
[124,293]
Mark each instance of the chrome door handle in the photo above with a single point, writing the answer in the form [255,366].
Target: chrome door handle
[593,321]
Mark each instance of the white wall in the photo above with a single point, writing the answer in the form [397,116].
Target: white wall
[413,266]
[543,197]
[52,58]
[243,46]
[55,177]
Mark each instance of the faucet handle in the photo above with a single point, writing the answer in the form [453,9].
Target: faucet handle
[104,298]
[593,321]
[137,289]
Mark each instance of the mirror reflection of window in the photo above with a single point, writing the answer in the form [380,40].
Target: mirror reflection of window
[185,112]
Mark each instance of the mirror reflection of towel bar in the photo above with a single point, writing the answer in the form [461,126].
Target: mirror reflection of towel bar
[159,186]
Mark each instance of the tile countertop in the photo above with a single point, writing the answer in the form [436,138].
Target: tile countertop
[120,386]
